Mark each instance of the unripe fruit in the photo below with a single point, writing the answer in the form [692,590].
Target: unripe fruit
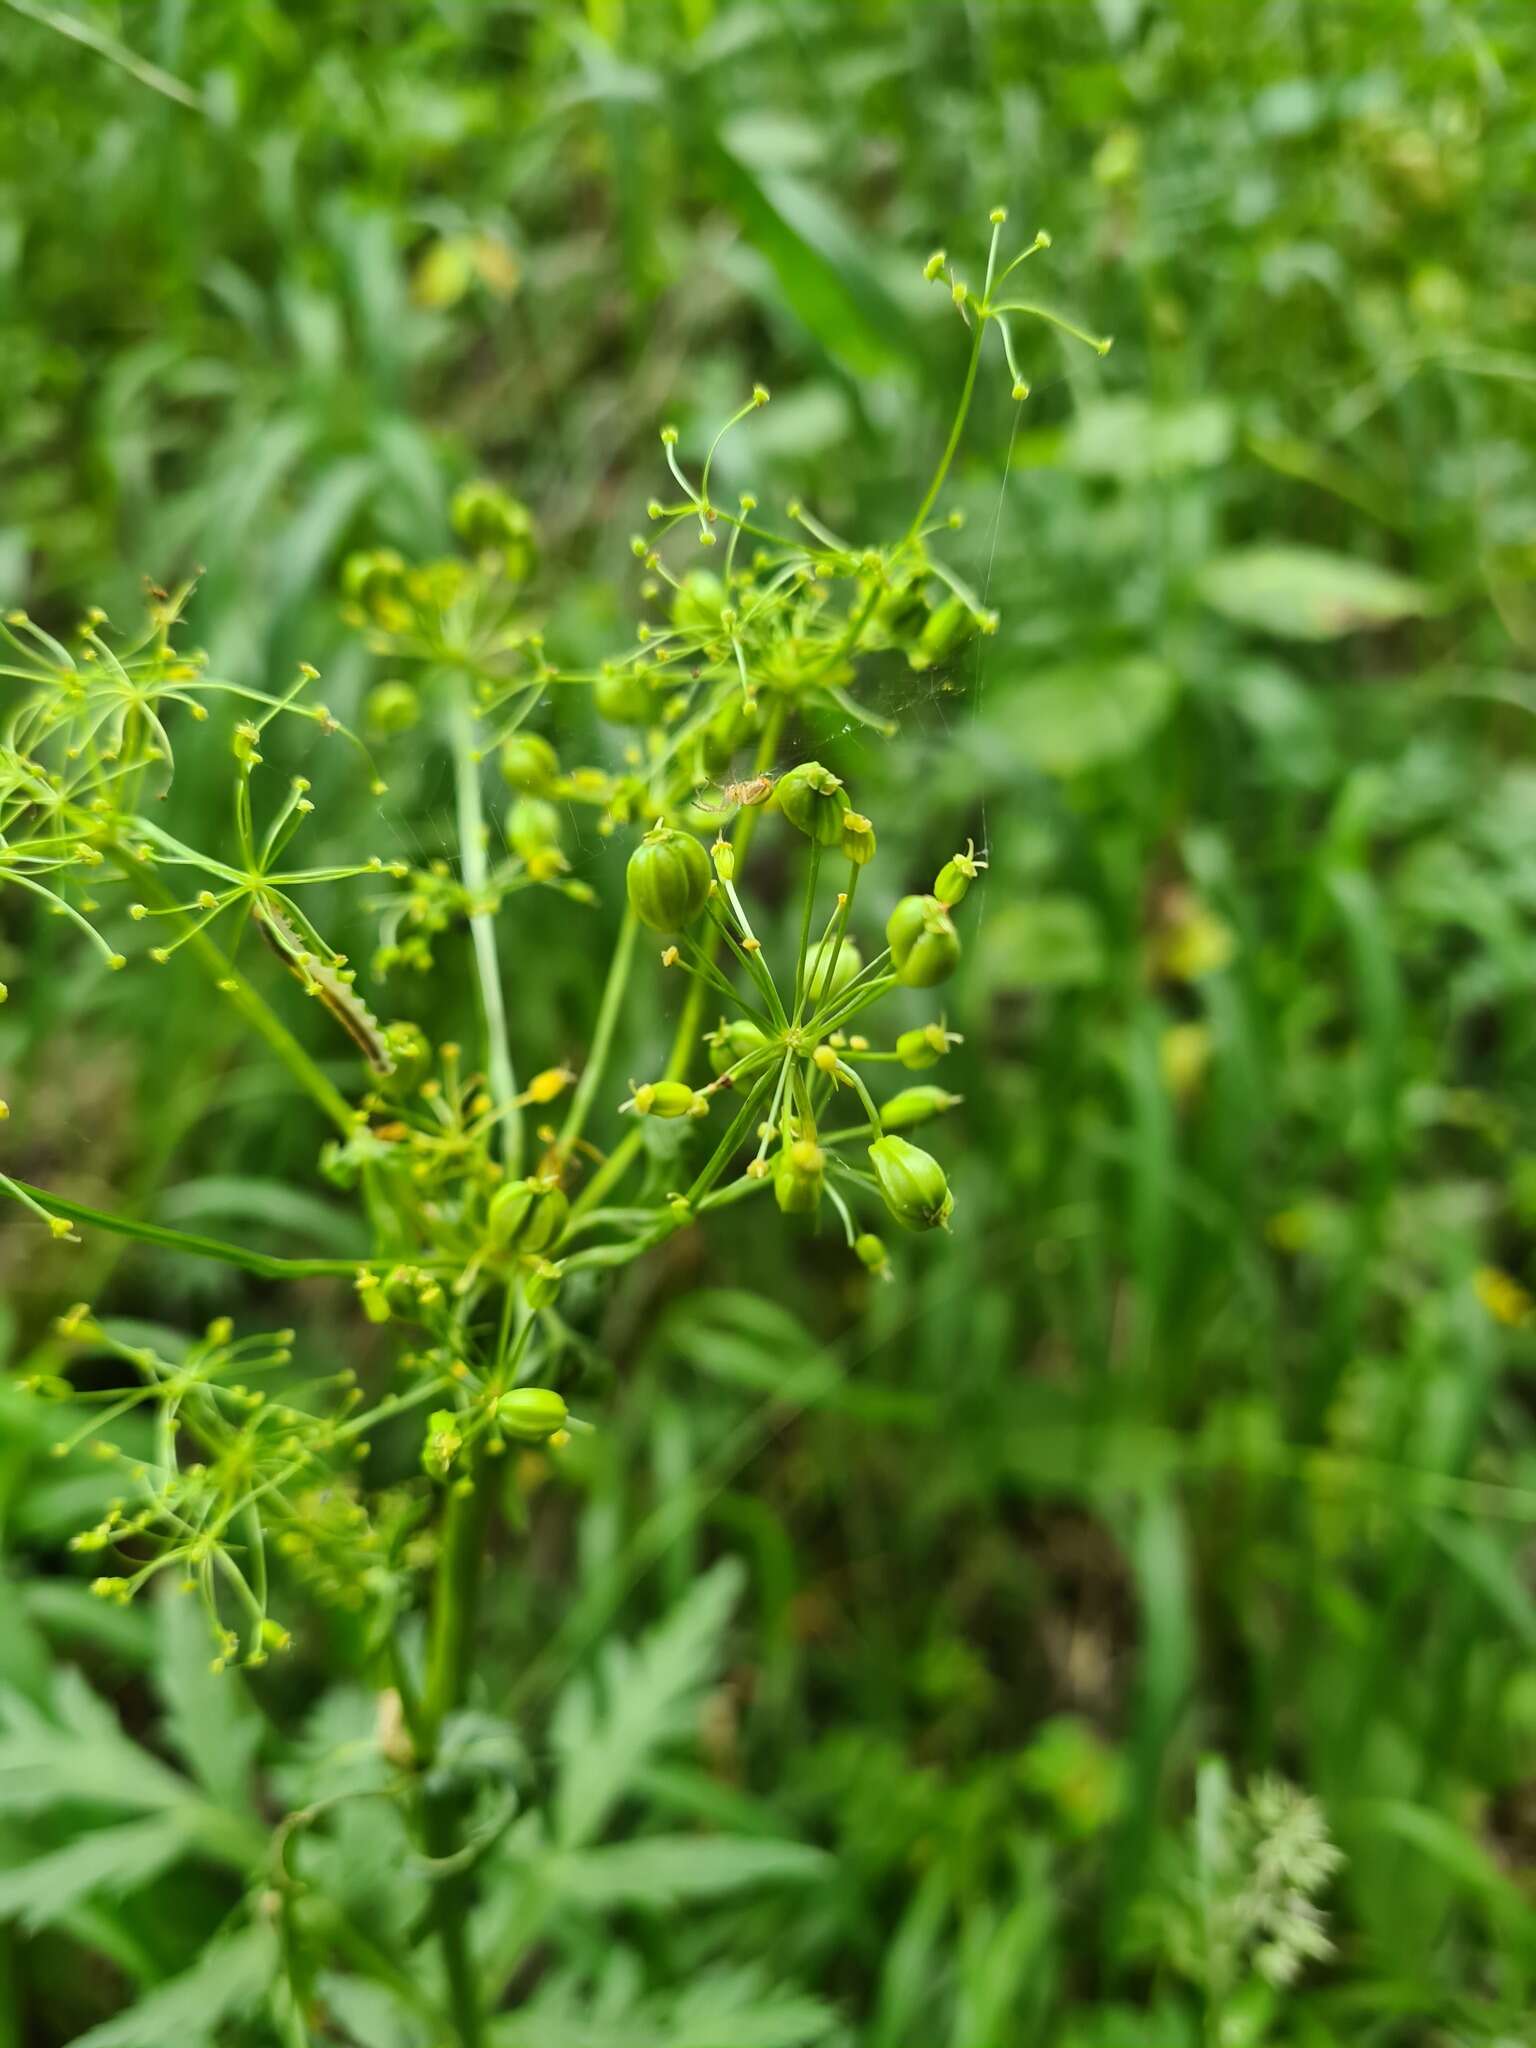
[733,1042]
[392,708]
[533,827]
[916,1106]
[542,1283]
[798,1175]
[858,838]
[925,947]
[621,696]
[529,763]
[828,971]
[912,1183]
[371,574]
[531,1414]
[526,1216]
[869,1250]
[669,1099]
[956,876]
[668,879]
[814,800]
[924,1046]
[489,520]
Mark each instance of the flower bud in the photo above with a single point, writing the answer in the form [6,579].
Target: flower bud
[733,1042]
[869,1250]
[391,708]
[668,879]
[723,854]
[798,1175]
[925,1045]
[829,970]
[916,1106]
[912,1183]
[925,947]
[529,763]
[814,801]
[531,1414]
[858,840]
[622,697]
[526,1215]
[668,1099]
[957,875]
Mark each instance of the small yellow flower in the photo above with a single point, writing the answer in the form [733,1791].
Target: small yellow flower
[1503,1296]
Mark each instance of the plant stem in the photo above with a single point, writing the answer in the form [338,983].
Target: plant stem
[602,1036]
[482,925]
[450,1648]
[961,411]
[227,978]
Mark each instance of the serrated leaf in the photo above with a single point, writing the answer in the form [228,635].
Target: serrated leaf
[228,1980]
[111,1860]
[1086,713]
[606,1725]
[78,1757]
[209,1718]
[1300,593]
[663,1870]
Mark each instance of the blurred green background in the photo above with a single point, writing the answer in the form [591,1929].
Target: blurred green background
[1211,1431]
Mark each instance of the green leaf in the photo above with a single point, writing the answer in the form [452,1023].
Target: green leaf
[79,1757]
[113,1860]
[209,1716]
[664,1870]
[1300,593]
[1086,713]
[229,1980]
[230,1199]
[1133,440]
[607,1725]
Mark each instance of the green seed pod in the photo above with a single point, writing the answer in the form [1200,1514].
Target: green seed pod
[668,879]
[529,763]
[946,629]
[490,521]
[869,1250]
[798,1176]
[531,1414]
[858,840]
[533,827]
[668,1099]
[916,1106]
[925,947]
[391,708]
[912,1183]
[828,971]
[542,1283]
[526,1216]
[733,1042]
[814,800]
[924,1046]
[957,875]
[622,697]
[697,606]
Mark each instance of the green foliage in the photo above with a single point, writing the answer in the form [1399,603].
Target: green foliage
[895,1597]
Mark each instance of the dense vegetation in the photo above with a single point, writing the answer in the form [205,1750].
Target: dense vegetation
[1027,1647]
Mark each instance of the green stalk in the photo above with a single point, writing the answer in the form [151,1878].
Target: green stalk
[482,925]
[450,1651]
[961,412]
[602,1036]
